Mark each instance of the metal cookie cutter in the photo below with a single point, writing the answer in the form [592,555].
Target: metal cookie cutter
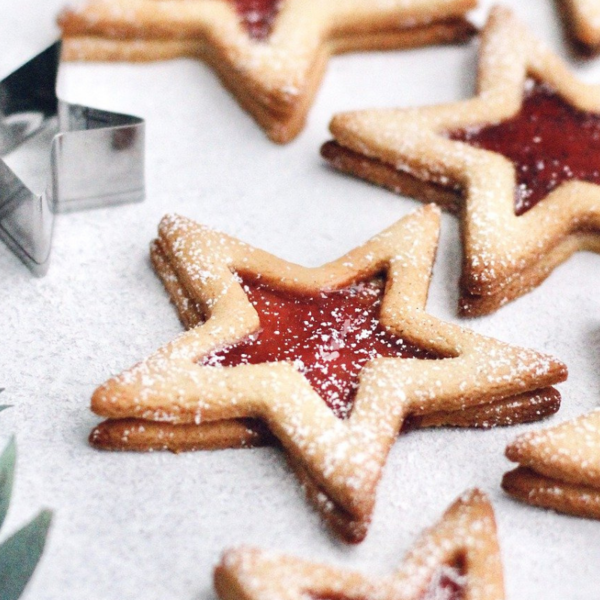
[96,158]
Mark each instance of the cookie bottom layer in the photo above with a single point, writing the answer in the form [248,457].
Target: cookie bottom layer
[140,435]
[530,487]
[143,436]
[450,198]
[386,176]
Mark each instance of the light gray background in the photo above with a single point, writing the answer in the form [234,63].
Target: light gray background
[152,526]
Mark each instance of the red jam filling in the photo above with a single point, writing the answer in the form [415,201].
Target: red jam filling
[328,337]
[447,584]
[257,16]
[548,141]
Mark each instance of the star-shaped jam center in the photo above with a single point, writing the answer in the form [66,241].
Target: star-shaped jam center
[257,16]
[549,142]
[328,337]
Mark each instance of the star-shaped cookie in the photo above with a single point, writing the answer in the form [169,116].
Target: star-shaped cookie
[583,21]
[559,467]
[271,54]
[519,163]
[332,360]
[459,557]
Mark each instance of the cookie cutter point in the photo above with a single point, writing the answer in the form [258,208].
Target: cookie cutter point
[95,158]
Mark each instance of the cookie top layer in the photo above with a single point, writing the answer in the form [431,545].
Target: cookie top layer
[328,337]
[569,452]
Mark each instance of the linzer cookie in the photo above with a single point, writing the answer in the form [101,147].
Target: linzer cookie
[583,21]
[559,467]
[270,53]
[520,163]
[331,361]
[458,558]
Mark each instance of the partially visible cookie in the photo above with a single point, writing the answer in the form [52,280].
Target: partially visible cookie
[583,22]
[457,558]
[559,467]
[519,163]
[271,54]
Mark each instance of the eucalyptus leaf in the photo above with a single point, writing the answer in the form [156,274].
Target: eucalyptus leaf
[4,406]
[7,474]
[20,554]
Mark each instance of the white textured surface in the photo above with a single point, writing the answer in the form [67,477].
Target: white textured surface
[132,526]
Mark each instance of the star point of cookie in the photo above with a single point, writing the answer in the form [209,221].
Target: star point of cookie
[459,557]
[559,467]
[295,345]
[583,22]
[272,56]
[509,161]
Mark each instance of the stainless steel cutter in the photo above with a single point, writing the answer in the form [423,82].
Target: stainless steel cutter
[96,158]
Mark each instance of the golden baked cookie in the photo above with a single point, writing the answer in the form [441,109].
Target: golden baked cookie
[331,360]
[583,22]
[459,557]
[520,163]
[271,54]
[559,467]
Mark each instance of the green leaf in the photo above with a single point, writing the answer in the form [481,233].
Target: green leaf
[4,406]
[7,474]
[20,554]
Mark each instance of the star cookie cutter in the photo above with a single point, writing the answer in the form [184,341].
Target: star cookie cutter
[96,158]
